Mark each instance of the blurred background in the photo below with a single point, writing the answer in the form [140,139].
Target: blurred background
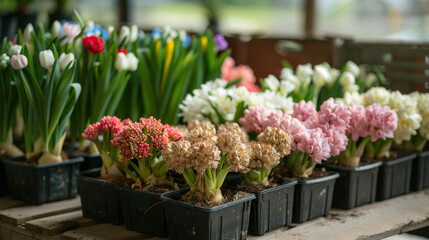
[391,33]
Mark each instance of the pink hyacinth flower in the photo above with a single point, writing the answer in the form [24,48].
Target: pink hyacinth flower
[334,114]
[382,121]
[304,111]
[358,126]
[255,119]
[315,144]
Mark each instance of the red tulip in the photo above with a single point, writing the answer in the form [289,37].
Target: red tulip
[93,44]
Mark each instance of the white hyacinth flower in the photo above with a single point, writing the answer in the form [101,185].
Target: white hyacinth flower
[353,68]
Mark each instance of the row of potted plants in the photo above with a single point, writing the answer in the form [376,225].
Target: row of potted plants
[273,137]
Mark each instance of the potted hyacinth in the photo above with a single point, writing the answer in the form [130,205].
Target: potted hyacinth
[395,174]
[47,96]
[204,167]
[98,190]
[134,174]
[8,106]
[316,136]
[140,146]
[357,183]
[418,143]
[272,195]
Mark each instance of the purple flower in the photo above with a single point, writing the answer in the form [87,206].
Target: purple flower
[220,41]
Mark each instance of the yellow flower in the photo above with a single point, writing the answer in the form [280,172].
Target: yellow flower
[204,42]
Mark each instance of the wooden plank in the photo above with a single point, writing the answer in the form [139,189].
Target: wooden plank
[8,202]
[59,223]
[12,232]
[375,221]
[103,231]
[19,215]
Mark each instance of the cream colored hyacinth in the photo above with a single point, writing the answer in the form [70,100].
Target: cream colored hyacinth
[408,116]
[423,107]
[405,106]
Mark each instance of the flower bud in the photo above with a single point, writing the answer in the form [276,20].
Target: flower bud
[19,62]
[121,62]
[134,32]
[46,58]
[133,62]
[15,49]
[56,29]
[27,33]
[110,30]
[4,59]
[65,59]
[124,33]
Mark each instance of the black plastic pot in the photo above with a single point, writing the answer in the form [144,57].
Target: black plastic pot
[355,186]
[313,198]
[271,209]
[186,221]
[91,160]
[420,172]
[4,190]
[394,177]
[99,198]
[143,212]
[41,183]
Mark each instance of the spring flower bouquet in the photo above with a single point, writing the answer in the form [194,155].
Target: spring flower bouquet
[47,96]
[9,103]
[219,101]
[408,122]
[140,145]
[103,70]
[316,135]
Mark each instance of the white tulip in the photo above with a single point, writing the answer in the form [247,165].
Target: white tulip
[124,33]
[28,32]
[65,59]
[15,50]
[121,62]
[110,30]
[46,58]
[134,33]
[56,29]
[133,61]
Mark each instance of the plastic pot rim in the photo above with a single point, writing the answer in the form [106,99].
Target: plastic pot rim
[405,158]
[332,175]
[357,169]
[21,161]
[165,197]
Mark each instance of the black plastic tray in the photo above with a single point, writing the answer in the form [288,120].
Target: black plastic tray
[420,172]
[41,183]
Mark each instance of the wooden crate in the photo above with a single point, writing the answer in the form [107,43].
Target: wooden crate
[63,220]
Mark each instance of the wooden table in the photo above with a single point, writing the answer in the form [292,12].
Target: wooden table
[63,220]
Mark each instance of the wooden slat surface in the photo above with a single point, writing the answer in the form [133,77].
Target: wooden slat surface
[8,202]
[59,223]
[19,215]
[103,231]
[11,232]
[375,221]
